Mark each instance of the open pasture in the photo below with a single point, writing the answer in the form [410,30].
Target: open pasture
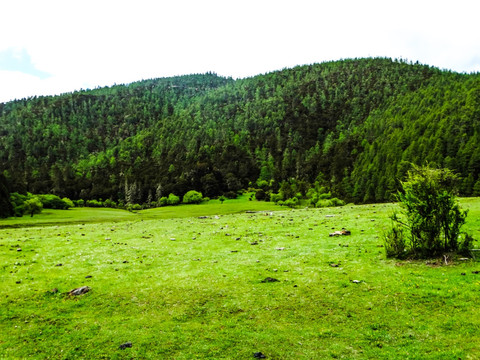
[227,286]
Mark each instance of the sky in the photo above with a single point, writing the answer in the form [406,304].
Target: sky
[50,47]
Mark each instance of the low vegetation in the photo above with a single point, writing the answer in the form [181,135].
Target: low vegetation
[193,281]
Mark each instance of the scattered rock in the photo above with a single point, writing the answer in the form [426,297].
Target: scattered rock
[126,345]
[476,272]
[259,355]
[254,243]
[88,276]
[173,239]
[19,249]
[269,280]
[464,259]
[280,248]
[234,251]
[334,265]
[125,261]
[341,233]
[18,282]
[203,217]
[79,291]
[54,291]
[356,281]
[463,274]
[59,265]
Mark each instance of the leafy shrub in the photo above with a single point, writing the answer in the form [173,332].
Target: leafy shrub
[69,202]
[134,207]
[93,203]
[431,217]
[110,203]
[329,203]
[173,199]
[50,201]
[222,199]
[163,201]
[18,202]
[33,205]
[192,197]
[292,202]
[79,203]
[276,197]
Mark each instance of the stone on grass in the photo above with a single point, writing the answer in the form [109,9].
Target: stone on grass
[259,355]
[79,291]
[269,280]
[128,344]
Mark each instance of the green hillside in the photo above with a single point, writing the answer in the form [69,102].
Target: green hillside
[354,126]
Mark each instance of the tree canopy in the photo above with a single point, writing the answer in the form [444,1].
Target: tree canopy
[353,125]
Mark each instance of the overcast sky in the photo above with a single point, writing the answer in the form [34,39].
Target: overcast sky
[55,46]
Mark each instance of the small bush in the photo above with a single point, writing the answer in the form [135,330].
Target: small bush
[276,197]
[431,217]
[134,207]
[50,201]
[93,203]
[395,242]
[163,201]
[110,203]
[79,203]
[33,205]
[292,202]
[192,197]
[173,199]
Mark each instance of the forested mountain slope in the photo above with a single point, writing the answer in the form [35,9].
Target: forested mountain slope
[352,125]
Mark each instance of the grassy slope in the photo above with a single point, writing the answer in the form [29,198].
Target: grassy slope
[96,215]
[191,288]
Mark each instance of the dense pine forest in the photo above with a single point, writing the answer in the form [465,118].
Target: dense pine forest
[353,127]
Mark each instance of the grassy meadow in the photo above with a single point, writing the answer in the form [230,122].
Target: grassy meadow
[230,284]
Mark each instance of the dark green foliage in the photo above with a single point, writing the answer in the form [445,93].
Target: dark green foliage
[260,195]
[192,197]
[6,207]
[356,122]
[50,201]
[26,204]
[431,219]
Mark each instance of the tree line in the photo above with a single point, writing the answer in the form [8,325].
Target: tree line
[353,127]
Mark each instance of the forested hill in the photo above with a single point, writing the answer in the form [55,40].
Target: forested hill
[353,126]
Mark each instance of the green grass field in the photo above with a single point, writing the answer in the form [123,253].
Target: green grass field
[180,287]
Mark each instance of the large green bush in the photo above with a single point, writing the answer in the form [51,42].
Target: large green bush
[51,201]
[192,197]
[430,222]
[173,199]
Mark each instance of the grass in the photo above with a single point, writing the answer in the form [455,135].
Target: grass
[83,215]
[180,287]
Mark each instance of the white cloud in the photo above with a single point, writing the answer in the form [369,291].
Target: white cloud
[100,42]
